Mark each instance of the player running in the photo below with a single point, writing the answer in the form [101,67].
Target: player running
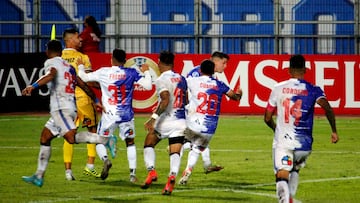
[293,103]
[203,112]
[117,87]
[168,121]
[62,79]
[220,60]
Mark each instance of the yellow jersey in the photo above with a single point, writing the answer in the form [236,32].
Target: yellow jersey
[72,55]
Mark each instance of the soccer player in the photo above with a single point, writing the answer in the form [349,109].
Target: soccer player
[62,79]
[220,60]
[117,87]
[203,112]
[87,114]
[168,121]
[293,102]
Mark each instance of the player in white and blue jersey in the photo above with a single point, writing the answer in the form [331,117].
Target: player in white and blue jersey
[167,122]
[293,102]
[117,87]
[61,79]
[202,118]
[220,60]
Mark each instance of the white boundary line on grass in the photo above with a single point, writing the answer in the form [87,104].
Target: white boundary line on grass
[215,150]
[239,190]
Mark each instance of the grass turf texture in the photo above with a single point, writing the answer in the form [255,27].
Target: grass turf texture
[242,144]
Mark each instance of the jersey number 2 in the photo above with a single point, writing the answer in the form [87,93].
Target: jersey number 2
[205,107]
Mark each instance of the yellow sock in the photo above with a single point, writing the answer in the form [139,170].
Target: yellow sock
[68,151]
[91,150]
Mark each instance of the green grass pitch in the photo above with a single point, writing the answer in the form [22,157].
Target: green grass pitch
[242,144]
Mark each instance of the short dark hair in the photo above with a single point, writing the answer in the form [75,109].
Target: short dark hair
[219,54]
[167,57]
[207,67]
[70,30]
[119,55]
[297,61]
[54,46]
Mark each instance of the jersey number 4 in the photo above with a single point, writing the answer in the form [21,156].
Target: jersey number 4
[294,110]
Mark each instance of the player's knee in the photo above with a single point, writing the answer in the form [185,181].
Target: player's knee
[70,136]
[129,142]
[282,175]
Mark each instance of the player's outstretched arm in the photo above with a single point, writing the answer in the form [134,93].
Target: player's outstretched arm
[323,102]
[235,95]
[49,76]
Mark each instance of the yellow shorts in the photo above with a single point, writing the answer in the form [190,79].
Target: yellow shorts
[87,115]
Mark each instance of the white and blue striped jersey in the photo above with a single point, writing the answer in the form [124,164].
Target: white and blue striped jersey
[173,118]
[62,87]
[204,103]
[177,87]
[117,88]
[295,101]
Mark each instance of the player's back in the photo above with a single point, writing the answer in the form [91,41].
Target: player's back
[117,87]
[295,100]
[177,87]
[204,104]
[62,88]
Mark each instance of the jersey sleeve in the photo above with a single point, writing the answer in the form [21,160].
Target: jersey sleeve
[223,87]
[86,62]
[161,85]
[272,98]
[95,76]
[319,93]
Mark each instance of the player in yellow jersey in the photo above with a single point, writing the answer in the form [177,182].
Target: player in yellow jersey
[87,114]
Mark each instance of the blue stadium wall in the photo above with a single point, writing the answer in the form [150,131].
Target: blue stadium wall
[161,10]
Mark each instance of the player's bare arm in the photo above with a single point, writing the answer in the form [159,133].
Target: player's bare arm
[41,81]
[268,119]
[323,102]
[235,95]
[165,99]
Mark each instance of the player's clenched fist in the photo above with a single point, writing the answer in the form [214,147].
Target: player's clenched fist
[27,91]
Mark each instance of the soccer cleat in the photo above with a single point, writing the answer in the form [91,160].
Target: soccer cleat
[169,185]
[91,172]
[185,177]
[152,176]
[69,175]
[213,168]
[133,178]
[106,168]
[111,144]
[34,180]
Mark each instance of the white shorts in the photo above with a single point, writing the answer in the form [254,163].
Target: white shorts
[61,122]
[170,128]
[126,129]
[286,159]
[197,139]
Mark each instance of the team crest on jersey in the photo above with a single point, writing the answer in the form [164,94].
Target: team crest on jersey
[137,61]
[286,160]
